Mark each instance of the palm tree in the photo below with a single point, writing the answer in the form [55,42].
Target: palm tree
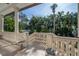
[53,7]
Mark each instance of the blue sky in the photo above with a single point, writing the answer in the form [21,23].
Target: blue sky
[44,9]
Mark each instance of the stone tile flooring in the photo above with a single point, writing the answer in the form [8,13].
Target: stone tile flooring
[31,52]
[7,49]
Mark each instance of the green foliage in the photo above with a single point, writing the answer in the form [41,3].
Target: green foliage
[53,7]
[65,24]
[23,24]
[9,24]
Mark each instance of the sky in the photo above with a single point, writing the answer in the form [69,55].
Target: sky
[44,9]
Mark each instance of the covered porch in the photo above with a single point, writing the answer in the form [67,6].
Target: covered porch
[7,8]
[9,41]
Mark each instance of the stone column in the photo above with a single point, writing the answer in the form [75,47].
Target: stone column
[1,23]
[78,19]
[16,21]
[16,18]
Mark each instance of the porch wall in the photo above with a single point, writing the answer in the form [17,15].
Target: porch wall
[11,37]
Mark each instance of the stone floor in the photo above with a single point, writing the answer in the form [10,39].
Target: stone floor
[31,52]
[27,51]
[34,49]
[7,49]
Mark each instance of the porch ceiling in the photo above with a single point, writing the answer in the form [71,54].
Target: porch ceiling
[6,8]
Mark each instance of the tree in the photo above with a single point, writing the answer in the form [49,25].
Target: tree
[63,24]
[23,23]
[53,7]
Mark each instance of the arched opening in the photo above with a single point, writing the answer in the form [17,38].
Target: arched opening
[9,22]
[40,18]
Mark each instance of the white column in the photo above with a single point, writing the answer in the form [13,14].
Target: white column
[16,18]
[78,19]
[2,23]
[16,21]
